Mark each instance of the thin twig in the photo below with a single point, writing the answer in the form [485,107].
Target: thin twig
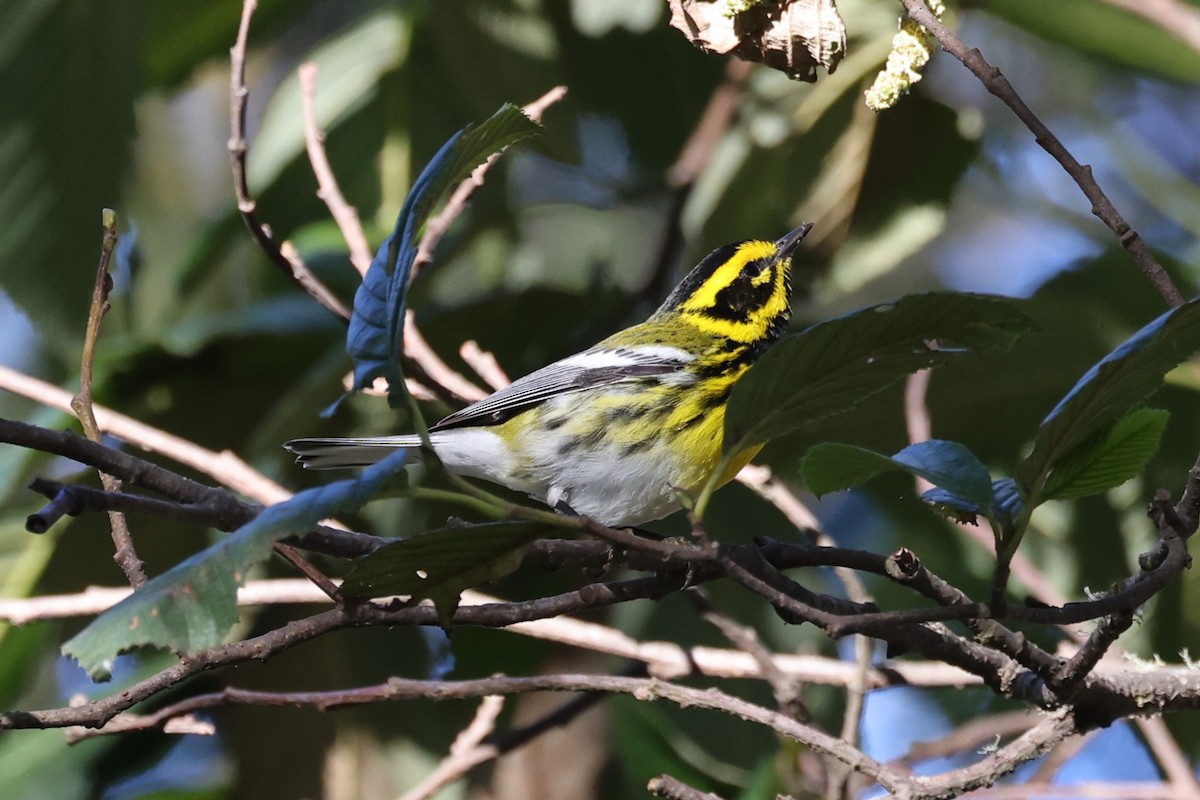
[224,467]
[674,789]
[1175,764]
[785,688]
[292,267]
[308,570]
[415,346]
[434,368]
[484,364]
[125,554]
[971,736]
[344,214]
[72,500]
[467,752]
[96,600]
[995,82]
[439,223]
[646,689]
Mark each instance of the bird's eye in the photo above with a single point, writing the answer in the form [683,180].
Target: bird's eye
[759,273]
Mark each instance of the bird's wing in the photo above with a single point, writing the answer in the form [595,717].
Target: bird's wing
[587,370]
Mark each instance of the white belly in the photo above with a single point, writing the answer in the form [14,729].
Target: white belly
[604,483]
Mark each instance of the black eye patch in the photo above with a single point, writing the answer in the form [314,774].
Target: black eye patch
[737,300]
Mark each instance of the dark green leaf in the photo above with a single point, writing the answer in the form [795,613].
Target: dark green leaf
[1104,30]
[1108,457]
[1121,380]
[1006,503]
[440,564]
[831,467]
[194,604]
[374,339]
[69,92]
[181,37]
[833,365]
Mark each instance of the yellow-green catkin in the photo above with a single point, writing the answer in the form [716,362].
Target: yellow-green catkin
[735,7]
[910,52]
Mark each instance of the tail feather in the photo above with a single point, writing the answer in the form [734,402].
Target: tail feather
[345,453]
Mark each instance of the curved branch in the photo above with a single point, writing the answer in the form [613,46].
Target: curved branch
[289,264]
[995,82]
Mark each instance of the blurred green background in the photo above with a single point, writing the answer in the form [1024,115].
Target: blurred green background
[124,104]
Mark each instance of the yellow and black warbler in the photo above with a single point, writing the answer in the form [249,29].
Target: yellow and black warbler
[617,431]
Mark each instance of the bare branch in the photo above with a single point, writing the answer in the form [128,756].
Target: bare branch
[81,404]
[344,214]
[97,599]
[467,752]
[1175,764]
[415,346]
[292,267]
[224,467]
[675,789]
[995,82]
[438,224]
[485,364]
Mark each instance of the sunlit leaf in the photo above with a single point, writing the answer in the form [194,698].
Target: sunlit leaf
[834,365]
[374,339]
[194,604]
[440,564]
[1108,457]
[1107,391]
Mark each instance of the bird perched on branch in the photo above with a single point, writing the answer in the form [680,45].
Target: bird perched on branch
[617,431]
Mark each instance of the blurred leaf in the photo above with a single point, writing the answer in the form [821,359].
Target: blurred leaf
[351,65]
[1108,457]
[280,315]
[68,90]
[653,741]
[1108,390]
[831,467]
[440,564]
[38,764]
[833,365]
[374,339]
[765,782]
[194,604]
[180,37]
[1101,29]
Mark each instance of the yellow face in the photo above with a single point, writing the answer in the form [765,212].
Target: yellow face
[739,292]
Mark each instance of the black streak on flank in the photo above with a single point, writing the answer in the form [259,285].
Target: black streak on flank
[578,446]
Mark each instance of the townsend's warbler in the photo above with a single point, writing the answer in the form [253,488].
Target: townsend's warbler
[617,431]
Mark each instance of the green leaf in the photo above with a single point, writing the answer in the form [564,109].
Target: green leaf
[1107,391]
[1108,457]
[375,337]
[1103,30]
[1006,504]
[179,38]
[69,90]
[833,365]
[194,604]
[352,64]
[831,467]
[440,564]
